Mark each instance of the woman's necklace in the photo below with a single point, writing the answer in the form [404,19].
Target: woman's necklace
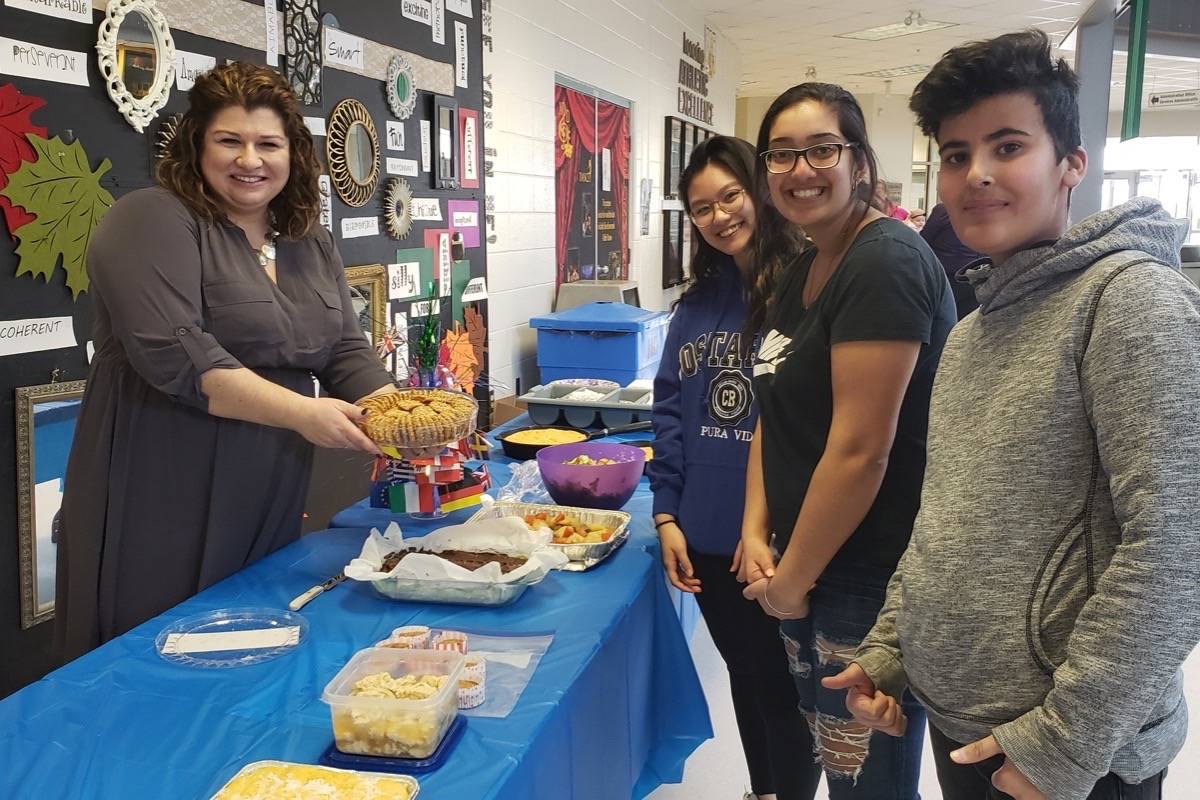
[266,253]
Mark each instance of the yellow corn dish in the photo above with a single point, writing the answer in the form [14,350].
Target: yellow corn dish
[545,436]
[303,782]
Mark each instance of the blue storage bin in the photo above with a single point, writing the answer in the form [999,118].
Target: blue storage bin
[614,341]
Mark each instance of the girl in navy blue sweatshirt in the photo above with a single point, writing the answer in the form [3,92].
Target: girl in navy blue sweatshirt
[704,417]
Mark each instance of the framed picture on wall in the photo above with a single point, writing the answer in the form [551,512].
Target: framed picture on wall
[689,142]
[672,269]
[673,157]
[685,248]
[368,293]
[45,420]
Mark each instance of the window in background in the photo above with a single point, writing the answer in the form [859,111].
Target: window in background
[1165,168]
[922,191]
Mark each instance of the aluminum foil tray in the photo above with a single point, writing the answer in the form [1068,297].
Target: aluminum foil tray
[413,786]
[583,556]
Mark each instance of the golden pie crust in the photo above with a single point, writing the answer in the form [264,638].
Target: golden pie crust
[419,417]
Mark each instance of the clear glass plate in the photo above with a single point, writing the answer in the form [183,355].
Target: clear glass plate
[231,621]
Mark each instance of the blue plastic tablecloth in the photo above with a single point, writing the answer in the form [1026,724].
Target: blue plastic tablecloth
[613,709]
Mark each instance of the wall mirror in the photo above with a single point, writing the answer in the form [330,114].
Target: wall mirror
[137,59]
[46,418]
[401,88]
[352,150]
[445,142]
[397,208]
[302,48]
[368,293]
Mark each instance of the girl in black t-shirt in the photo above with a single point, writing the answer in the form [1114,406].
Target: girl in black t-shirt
[851,335]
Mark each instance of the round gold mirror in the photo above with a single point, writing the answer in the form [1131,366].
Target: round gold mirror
[360,153]
[352,149]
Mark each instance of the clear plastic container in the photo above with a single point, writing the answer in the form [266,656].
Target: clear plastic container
[378,726]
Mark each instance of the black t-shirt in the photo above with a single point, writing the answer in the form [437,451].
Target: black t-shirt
[889,286]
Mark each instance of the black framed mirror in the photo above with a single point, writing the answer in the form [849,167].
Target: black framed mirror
[445,142]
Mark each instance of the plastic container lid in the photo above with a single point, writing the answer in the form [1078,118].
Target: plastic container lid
[599,316]
[231,637]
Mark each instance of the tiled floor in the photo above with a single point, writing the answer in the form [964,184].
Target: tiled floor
[716,771]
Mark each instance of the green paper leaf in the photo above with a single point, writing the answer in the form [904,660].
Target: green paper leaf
[68,201]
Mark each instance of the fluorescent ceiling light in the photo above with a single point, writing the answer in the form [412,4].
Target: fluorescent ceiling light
[896,29]
[895,72]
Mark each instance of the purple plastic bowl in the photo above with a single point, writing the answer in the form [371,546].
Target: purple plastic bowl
[608,487]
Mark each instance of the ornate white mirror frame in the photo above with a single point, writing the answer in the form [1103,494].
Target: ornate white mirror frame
[400,74]
[138,111]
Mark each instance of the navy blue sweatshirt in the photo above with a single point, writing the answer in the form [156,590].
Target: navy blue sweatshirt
[704,415]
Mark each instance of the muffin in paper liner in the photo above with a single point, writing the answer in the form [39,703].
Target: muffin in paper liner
[451,640]
[414,637]
[471,694]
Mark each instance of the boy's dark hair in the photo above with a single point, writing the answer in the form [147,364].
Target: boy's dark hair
[1014,62]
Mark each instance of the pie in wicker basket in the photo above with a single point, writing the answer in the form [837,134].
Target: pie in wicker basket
[419,417]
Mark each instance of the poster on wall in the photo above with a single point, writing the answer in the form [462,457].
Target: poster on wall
[689,142]
[468,137]
[672,267]
[674,157]
[592,224]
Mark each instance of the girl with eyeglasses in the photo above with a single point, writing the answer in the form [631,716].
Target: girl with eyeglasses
[853,328]
[704,416]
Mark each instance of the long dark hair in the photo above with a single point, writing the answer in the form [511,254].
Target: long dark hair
[735,156]
[774,243]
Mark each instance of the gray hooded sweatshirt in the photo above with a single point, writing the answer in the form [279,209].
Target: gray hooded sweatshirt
[1049,593]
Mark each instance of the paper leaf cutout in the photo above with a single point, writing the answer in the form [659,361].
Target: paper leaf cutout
[66,197]
[461,357]
[16,110]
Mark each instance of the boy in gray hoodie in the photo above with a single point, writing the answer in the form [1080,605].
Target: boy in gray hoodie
[1048,596]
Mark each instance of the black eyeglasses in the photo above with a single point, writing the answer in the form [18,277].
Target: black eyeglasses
[731,203]
[827,155]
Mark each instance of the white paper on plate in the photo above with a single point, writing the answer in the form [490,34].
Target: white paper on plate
[508,535]
[231,640]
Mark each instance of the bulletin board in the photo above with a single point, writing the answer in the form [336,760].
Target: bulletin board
[441,38]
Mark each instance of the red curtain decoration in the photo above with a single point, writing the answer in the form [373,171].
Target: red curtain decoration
[566,165]
[583,120]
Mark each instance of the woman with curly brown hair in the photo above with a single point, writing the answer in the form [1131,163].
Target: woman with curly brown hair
[218,300]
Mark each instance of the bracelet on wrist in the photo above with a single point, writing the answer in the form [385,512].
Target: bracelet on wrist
[670,521]
[767,601]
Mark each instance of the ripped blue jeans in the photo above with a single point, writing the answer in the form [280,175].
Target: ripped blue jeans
[858,763]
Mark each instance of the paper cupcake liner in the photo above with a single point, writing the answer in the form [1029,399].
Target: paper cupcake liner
[451,640]
[417,636]
[470,695]
[474,669]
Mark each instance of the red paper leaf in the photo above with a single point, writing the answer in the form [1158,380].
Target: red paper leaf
[16,110]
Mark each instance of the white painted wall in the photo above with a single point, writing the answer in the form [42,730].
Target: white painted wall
[628,49]
[1161,122]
